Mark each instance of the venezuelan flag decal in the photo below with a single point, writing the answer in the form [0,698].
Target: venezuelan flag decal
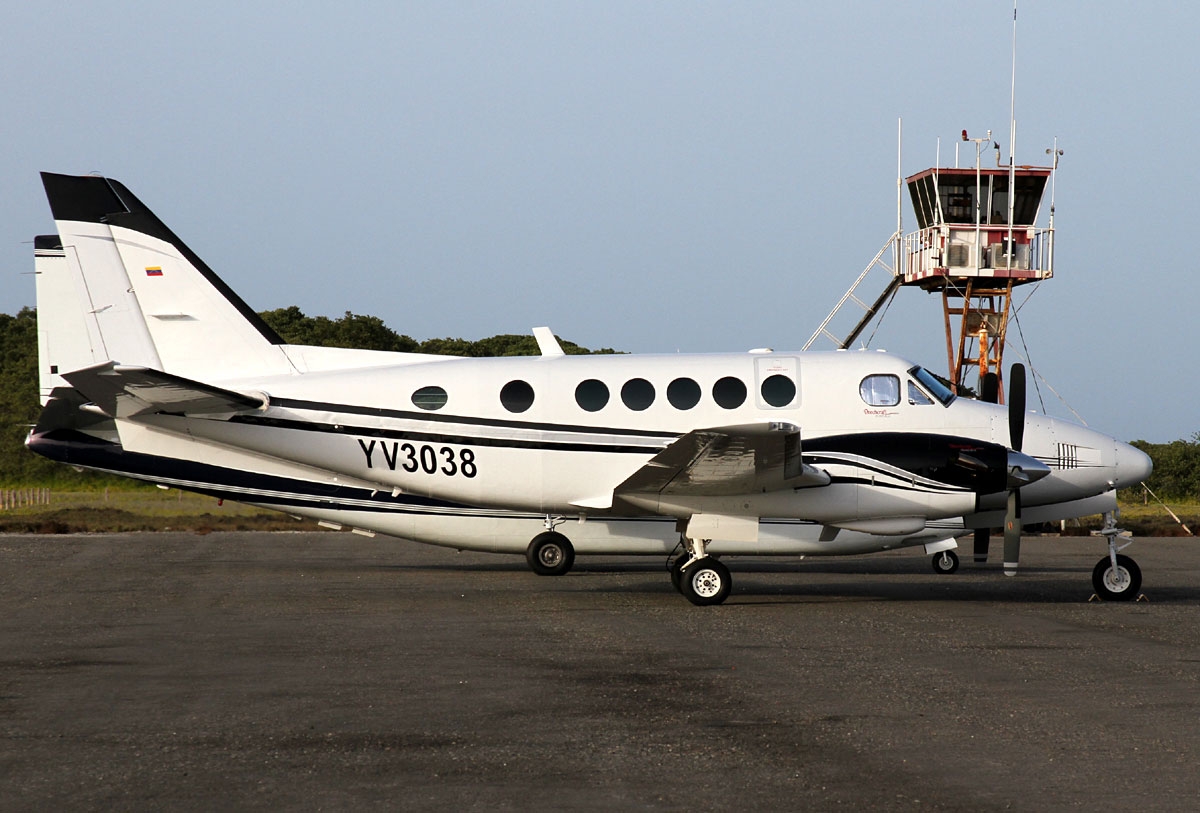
[154,271]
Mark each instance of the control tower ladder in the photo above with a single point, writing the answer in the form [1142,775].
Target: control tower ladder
[851,297]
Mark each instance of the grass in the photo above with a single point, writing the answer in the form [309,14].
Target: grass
[142,509]
[1151,518]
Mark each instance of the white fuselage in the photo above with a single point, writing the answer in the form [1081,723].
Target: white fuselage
[562,457]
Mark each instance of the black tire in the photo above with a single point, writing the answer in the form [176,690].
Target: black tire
[550,554]
[1121,585]
[705,582]
[677,571]
[945,562]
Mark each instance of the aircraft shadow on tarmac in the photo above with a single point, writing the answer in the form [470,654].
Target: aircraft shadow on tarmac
[760,581]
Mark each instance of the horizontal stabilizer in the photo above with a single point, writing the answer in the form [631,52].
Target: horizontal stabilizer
[62,411]
[751,458]
[124,392]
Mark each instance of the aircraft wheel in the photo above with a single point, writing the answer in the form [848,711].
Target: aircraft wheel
[705,582]
[1121,584]
[550,554]
[945,562]
[677,571]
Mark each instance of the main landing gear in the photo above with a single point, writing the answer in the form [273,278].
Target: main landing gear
[550,553]
[1116,577]
[701,578]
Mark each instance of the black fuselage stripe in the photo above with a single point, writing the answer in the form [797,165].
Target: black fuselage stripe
[554,446]
[437,437]
[380,412]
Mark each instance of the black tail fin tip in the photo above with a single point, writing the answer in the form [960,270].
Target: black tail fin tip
[95,199]
[85,198]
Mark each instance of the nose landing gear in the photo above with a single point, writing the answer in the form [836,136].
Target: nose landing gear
[1116,577]
[945,562]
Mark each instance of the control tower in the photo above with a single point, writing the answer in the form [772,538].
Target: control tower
[974,244]
[977,239]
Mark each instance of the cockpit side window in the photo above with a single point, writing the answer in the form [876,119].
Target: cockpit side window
[932,385]
[880,390]
[917,397]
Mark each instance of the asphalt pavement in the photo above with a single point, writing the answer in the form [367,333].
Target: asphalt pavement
[334,672]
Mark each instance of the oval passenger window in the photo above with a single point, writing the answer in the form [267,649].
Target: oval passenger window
[592,395]
[683,393]
[517,396]
[778,390]
[729,392]
[429,398]
[637,394]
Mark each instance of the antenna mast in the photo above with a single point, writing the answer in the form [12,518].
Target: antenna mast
[1012,138]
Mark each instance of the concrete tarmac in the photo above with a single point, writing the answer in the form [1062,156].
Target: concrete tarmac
[332,671]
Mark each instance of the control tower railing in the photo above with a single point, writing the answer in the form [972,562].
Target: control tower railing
[952,251]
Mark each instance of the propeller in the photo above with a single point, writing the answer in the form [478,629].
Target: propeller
[1016,438]
[989,391]
[989,388]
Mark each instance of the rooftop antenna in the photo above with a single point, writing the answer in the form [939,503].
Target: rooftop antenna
[1012,139]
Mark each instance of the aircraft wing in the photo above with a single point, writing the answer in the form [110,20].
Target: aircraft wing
[124,392]
[727,460]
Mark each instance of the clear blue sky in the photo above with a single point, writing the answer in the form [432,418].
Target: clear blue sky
[647,176]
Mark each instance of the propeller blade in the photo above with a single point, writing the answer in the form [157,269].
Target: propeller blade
[989,388]
[1016,406]
[1012,533]
[983,536]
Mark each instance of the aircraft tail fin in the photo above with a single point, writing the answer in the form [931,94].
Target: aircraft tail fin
[120,286]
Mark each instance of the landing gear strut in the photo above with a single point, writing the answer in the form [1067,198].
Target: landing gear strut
[1116,577]
[701,579]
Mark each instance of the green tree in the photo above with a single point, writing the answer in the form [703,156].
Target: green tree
[1176,467]
[19,408]
[505,344]
[351,330]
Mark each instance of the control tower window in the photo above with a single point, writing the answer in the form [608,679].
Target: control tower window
[958,202]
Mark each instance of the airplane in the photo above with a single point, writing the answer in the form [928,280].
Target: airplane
[150,366]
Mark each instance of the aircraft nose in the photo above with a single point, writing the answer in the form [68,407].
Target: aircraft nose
[1133,466]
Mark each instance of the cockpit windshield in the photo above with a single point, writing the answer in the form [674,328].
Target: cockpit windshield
[931,384]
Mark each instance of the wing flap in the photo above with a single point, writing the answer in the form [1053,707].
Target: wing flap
[125,392]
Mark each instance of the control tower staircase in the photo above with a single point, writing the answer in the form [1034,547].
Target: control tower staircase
[832,329]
